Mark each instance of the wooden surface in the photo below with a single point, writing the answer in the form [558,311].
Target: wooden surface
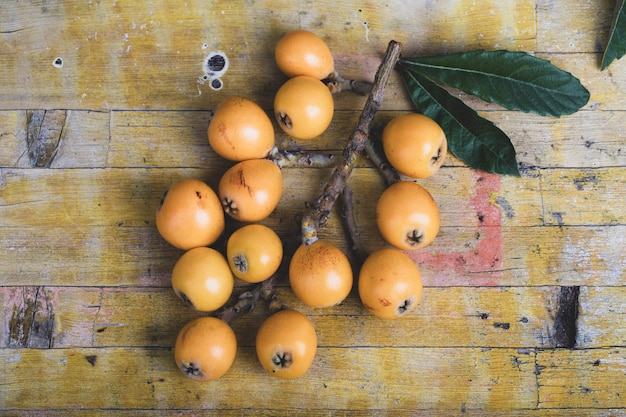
[87,315]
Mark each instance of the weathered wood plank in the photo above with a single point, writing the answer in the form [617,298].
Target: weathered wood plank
[584,196]
[607,87]
[129,197]
[82,139]
[576,378]
[602,316]
[151,56]
[179,138]
[570,197]
[469,249]
[566,256]
[587,412]
[586,28]
[84,276]
[141,378]
[176,139]
[161,139]
[587,139]
[137,256]
[510,317]
[80,197]
[446,317]
[12,137]
[84,256]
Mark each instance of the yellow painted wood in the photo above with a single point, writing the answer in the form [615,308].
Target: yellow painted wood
[76,197]
[567,195]
[597,303]
[147,56]
[590,412]
[137,256]
[518,317]
[606,87]
[447,317]
[570,255]
[12,137]
[110,230]
[587,139]
[580,32]
[142,378]
[80,255]
[85,277]
[573,378]
[174,139]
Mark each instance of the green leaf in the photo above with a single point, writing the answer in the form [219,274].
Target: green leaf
[616,48]
[515,80]
[471,138]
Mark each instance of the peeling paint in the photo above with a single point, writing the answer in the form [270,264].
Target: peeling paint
[30,317]
[15,358]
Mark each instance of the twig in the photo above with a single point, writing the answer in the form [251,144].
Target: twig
[287,158]
[390,174]
[351,224]
[322,207]
[336,185]
[262,291]
[247,300]
[337,84]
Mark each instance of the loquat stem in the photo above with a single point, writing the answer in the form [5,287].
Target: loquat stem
[351,224]
[390,174]
[248,299]
[337,84]
[287,158]
[261,291]
[322,207]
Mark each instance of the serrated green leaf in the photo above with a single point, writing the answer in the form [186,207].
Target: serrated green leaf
[471,138]
[616,47]
[514,80]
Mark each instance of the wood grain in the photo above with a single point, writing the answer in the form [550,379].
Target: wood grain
[151,376]
[104,105]
[447,317]
[565,381]
[136,56]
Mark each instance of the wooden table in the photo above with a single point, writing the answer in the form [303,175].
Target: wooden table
[103,106]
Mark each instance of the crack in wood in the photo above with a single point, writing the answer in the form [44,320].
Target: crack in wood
[565,329]
[42,325]
[11,31]
[44,129]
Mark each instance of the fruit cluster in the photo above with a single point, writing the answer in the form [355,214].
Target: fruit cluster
[192,217]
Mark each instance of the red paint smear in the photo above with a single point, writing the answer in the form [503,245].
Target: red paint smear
[481,261]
